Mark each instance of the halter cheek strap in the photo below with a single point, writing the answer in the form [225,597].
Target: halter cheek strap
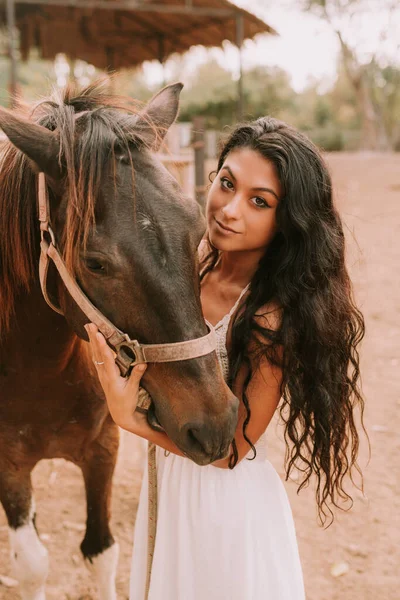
[129,352]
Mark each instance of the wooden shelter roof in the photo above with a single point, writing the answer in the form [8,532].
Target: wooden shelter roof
[123,33]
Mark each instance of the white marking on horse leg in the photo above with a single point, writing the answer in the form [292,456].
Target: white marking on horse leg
[29,559]
[104,568]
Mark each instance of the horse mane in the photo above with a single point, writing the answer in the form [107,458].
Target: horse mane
[91,125]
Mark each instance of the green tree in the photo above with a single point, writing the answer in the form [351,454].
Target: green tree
[268,91]
[339,14]
[213,94]
[386,94]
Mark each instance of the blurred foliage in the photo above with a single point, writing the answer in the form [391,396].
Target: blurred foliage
[213,94]
[385,86]
[35,78]
[332,119]
[372,75]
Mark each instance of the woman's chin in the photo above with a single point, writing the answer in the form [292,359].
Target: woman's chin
[222,244]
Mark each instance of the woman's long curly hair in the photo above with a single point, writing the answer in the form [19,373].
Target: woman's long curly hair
[303,272]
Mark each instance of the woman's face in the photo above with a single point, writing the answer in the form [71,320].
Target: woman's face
[242,202]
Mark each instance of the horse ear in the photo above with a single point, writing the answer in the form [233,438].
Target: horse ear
[159,114]
[38,143]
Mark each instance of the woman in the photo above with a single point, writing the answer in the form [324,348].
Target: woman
[275,285]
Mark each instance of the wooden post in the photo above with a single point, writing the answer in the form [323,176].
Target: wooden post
[239,43]
[12,52]
[161,57]
[110,70]
[71,64]
[198,145]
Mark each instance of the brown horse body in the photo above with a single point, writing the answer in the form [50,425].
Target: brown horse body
[136,260]
[51,406]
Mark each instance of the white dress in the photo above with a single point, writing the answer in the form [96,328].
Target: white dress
[221,534]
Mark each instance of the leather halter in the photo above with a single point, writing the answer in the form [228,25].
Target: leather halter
[129,352]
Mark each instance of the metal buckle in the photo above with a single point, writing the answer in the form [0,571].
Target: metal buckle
[129,352]
[52,236]
[45,228]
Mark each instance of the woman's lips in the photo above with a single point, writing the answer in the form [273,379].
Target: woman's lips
[224,228]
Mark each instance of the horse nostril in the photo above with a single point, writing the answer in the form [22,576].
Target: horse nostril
[208,440]
[199,439]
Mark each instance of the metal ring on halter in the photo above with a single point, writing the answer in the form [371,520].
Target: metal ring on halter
[96,362]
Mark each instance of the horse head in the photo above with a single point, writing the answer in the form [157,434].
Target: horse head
[129,237]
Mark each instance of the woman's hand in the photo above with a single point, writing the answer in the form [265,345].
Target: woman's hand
[121,393]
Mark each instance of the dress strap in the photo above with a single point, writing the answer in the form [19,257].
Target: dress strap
[226,318]
[234,307]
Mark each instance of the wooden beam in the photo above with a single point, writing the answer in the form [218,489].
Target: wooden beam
[197,11]
[198,144]
[239,43]
[12,52]
[174,35]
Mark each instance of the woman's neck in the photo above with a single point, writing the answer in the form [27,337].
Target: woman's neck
[237,268]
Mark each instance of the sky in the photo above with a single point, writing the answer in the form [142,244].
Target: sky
[307,47]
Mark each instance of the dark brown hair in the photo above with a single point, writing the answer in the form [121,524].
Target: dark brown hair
[303,272]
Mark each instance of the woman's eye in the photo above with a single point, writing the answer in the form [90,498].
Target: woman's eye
[260,202]
[94,265]
[225,183]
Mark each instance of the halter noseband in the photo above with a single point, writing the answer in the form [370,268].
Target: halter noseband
[129,352]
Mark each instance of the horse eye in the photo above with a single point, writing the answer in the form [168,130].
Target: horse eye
[94,265]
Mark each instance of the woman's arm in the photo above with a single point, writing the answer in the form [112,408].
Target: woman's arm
[263,391]
[263,394]
[122,394]
[139,426]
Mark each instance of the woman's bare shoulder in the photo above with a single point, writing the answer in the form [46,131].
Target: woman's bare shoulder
[269,315]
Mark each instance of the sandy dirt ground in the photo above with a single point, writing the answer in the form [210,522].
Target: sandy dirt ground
[362,544]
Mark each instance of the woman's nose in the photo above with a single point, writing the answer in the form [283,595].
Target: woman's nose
[231,210]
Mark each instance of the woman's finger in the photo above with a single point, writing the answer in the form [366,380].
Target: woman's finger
[121,393]
[103,357]
[136,375]
[91,330]
[106,356]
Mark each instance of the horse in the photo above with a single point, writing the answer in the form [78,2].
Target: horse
[127,237]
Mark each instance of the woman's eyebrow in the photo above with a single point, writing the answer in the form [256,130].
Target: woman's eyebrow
[268,190]
[254,189]
[229,171]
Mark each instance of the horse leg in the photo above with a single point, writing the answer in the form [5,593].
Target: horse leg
[29,557]
[98,547]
